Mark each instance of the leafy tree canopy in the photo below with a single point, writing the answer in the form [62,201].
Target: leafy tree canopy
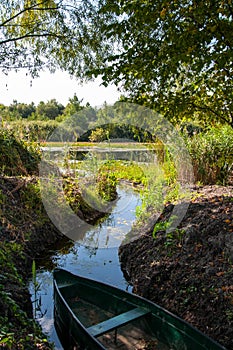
[175,56]
[39,34]
[23,110]
[74,106]
[50,110]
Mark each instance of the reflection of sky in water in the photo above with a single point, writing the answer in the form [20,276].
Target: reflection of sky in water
[93,262]
[112,231]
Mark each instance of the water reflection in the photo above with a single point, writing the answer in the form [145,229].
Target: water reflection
[89,260]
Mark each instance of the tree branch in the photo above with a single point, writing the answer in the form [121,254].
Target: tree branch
[31,36]
[207,108]
[30,8]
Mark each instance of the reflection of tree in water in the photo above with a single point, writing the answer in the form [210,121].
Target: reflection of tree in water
[92,240]
[110,221]
[92,251]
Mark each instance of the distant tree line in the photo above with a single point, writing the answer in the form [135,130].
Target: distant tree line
[38,122]
[50,110]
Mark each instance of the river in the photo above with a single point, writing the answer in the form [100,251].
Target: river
[97,263]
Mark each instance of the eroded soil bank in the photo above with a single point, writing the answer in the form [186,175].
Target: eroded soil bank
[26,234]
[190,271]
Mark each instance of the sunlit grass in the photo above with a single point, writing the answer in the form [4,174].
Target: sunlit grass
[106,144]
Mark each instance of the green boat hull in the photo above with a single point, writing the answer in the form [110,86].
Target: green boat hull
[73,293]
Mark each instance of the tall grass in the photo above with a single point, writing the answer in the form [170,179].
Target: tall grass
[212,155]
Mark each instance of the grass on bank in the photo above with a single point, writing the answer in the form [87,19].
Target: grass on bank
[17,330]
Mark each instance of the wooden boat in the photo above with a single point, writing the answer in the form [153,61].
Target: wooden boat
[91,315]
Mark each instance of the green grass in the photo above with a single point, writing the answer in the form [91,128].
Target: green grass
[123,145]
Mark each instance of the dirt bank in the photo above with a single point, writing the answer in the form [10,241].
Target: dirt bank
[26,234]
[190,271]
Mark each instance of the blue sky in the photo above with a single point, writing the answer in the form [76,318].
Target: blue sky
[20,87]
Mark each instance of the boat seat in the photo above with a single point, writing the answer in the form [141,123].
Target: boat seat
[116,321]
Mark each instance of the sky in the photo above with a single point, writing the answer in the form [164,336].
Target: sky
[20,87]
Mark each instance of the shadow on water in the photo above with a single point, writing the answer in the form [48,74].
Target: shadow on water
[97,263]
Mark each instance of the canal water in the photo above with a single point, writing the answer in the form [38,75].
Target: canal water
[99,262]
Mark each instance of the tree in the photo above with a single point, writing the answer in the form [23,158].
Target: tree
[26,110]
[174,56]
[50,110]
[18,110]
[39,34]
[73,106]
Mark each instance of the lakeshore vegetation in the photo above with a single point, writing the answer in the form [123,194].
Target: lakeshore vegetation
[23,218]
[174,57]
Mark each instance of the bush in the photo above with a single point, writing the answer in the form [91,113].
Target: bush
[34,130]
[98,135]
[212,155]
[17,156]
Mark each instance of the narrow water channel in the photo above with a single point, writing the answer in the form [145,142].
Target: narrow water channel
[97,263]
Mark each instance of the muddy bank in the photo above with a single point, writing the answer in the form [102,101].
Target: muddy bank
[190,271]
[26,234]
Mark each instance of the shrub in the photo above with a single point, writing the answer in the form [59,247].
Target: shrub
[33,130]
[17,157]
[212,155]
[98,135]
